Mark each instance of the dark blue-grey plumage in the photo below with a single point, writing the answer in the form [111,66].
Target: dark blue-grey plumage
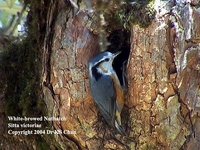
[102,88]
[104,97]
[106,89]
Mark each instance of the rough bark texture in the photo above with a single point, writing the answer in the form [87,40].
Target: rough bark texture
[163,81]
[65,77]
[163,73]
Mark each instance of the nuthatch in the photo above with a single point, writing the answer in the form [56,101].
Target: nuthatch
[106,89]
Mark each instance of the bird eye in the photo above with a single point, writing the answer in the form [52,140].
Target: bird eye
[107,59]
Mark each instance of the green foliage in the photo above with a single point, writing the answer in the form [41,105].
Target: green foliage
[20,62]
[21,67]
[12,14]
[10,7]
[42,144]
[137,12]
[4,19]
[123,15]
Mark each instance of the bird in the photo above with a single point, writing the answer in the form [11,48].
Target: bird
[106,89]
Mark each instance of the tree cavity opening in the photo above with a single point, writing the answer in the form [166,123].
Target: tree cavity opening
[119,40]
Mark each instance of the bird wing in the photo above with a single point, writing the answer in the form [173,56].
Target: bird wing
[104,95]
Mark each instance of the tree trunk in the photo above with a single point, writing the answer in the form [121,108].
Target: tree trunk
[163,80]
[163,73]
[164,77]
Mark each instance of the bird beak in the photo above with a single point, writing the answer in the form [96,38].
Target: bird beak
[116,54]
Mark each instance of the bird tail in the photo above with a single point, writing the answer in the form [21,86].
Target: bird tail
[119,128]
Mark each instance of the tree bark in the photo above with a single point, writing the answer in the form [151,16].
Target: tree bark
[162,106]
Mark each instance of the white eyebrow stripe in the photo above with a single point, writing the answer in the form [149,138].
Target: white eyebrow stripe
[104,57]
